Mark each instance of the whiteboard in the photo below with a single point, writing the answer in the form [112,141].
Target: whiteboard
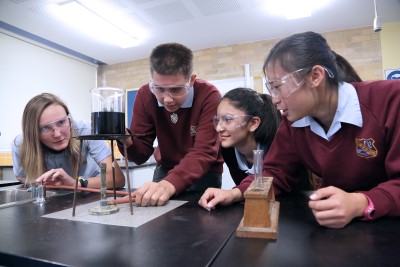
[226,85]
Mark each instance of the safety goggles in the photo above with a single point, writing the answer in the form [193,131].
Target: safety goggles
[231,121]
[176,90]
[62,124]
[286,85]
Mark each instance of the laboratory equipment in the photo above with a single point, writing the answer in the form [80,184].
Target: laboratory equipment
[108,110]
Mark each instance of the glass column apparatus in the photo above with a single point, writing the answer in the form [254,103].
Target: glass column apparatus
[258,161]
[108,111]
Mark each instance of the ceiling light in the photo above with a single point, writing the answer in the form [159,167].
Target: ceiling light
[90,23]
[293,9]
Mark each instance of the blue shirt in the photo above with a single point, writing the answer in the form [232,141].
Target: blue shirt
[93,152]
[348,111]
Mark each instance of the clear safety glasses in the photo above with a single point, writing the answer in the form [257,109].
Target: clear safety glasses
[62,124]
[173,91]
[286,85]
[230,121]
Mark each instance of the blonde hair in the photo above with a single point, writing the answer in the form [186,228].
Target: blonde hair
[31,149]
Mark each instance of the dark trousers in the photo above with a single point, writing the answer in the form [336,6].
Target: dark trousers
[210,179]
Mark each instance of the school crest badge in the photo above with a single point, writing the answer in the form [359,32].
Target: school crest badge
[365,148]
[174,118]
[193,130]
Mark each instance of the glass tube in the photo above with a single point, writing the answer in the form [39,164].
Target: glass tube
[40,197]
[258,161]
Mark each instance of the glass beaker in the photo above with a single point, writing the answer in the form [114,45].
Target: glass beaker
[258,161]
[108,110]
[41,194]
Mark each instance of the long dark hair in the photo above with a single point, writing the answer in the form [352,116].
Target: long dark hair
[259,105]
[307,49]
[347,72]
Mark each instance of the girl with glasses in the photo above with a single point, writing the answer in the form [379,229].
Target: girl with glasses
[245,121]
[347,134]
[47,151]
[345,131]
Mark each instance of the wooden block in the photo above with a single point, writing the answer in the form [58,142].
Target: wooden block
[270,232]
[261,212]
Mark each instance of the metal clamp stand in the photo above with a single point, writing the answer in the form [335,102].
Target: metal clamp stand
[110,137]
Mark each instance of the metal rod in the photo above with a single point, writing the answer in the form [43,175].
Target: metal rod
[103,187]
[76,179]
[127,177]
[113,168]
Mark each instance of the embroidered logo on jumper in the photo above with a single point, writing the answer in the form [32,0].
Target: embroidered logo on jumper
[193,130]
[365,148]
[174,118]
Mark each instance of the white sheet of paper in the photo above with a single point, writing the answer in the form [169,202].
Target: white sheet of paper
[123,217]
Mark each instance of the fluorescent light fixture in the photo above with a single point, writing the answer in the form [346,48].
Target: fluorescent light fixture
[90,23]
[293,9]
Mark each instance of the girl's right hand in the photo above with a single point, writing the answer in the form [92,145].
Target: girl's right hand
[56,177]
[215,196]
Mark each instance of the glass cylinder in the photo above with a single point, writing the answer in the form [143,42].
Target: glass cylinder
[108,110]
[40,194]
[258,161]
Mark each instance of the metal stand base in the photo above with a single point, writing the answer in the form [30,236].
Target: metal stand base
[103,210]
[111,137]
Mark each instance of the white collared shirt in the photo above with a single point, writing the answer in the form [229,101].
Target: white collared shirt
[242,162]
[348,111]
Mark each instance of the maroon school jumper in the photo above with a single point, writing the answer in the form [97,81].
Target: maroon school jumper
[190,147]
[229,156]
[363,159]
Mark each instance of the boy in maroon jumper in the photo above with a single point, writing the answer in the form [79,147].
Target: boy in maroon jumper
[348,134]
[177,109]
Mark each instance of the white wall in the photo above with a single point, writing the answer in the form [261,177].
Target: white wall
[28,69]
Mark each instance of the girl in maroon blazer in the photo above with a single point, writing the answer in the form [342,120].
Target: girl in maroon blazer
[347,134]
[245,121]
